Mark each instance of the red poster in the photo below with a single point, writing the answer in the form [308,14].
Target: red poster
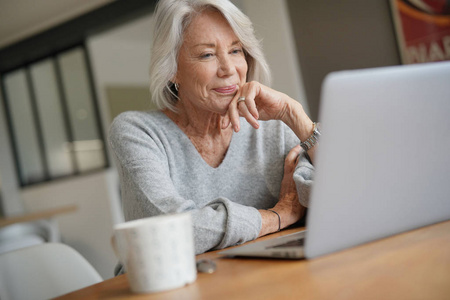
[423,29]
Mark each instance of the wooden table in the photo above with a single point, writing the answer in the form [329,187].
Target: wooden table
[29,217]
[412,265]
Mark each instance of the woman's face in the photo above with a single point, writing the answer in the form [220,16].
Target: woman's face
[211,63]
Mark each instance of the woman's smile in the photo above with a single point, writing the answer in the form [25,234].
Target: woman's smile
[226,90]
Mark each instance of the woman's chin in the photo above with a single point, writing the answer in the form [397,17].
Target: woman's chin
[224,110]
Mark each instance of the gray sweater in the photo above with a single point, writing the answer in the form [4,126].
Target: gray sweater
[161,172]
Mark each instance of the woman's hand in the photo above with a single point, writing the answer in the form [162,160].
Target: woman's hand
[288,206]
[261,103]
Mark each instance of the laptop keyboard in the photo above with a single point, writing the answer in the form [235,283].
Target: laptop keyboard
[294,243]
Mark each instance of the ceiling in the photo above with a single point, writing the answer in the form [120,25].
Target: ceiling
[20,19]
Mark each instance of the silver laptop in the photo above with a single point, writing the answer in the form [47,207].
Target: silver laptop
[383,163]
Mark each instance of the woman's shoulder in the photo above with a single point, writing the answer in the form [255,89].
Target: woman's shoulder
[136,123]
[133,116]
[137,119]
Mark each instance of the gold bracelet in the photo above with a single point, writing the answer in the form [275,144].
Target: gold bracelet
[279,219]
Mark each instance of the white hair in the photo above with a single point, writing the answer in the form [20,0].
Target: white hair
[172,19]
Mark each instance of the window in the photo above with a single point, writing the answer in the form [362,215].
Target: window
[53,117]
[55,136]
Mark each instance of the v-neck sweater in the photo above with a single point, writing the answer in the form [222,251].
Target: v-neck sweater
[162,172]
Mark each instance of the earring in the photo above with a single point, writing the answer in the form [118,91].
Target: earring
[177,86]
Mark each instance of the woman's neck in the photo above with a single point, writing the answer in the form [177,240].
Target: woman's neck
[197,123]
[205,132]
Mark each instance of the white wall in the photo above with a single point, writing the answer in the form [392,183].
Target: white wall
[120,57]
[89,229]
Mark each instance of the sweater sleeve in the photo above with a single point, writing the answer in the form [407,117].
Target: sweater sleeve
[148,190]
[304,171]
[304,177]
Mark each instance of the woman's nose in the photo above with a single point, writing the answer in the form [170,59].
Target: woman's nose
[226,67]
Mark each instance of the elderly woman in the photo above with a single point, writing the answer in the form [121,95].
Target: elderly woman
[222,145]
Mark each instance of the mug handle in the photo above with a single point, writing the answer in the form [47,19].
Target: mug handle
[114,246]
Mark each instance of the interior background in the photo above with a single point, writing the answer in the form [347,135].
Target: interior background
[303,41]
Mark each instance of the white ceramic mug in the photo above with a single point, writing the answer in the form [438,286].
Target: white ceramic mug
[157,252]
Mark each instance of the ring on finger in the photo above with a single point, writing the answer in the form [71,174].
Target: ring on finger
[240,99]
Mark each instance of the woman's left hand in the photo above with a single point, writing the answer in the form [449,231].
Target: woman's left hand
[261,103]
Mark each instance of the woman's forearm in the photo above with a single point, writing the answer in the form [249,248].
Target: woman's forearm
[297,119]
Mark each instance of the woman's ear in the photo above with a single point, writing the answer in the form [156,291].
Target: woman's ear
[174,79]
[175,84]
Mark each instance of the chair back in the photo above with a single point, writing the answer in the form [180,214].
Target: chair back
[44,271]
[25,234]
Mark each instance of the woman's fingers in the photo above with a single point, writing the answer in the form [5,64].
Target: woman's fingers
[250,90]
[242,106]
[292,159]
[248,101]
[246,105]
[226,121]
[293,153]
[233,114]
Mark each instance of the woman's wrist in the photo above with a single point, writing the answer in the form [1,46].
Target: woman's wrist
[269,222]
[290,211]
[287,217]
[296,118]
[275,219]
[278,218]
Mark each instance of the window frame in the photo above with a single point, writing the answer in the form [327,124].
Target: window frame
[61,38]
[65,115]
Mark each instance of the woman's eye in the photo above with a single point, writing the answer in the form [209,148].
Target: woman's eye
[206,55]
[236,51]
